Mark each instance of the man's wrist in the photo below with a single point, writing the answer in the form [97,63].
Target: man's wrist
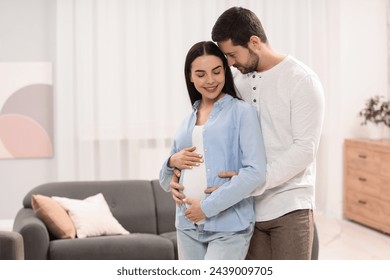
[204,209]
[169,164]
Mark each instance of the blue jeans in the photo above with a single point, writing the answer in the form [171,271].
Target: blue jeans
[198,244]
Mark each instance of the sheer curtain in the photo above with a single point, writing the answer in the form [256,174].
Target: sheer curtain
[120,91]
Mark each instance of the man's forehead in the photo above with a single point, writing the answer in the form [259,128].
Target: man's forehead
[227,46]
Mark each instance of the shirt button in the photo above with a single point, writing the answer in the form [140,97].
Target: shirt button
[208,170]
[205,150]
[254,76]
[254,88]
[254,100]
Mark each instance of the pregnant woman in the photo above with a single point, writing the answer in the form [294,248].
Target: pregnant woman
[226,132]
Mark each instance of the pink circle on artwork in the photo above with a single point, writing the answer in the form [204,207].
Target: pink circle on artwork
[23,137]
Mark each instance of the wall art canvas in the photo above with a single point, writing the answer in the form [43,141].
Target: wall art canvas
[26,110]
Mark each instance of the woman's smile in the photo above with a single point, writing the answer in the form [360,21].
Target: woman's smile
[211,89]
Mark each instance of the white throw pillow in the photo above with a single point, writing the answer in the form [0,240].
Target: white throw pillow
[91,216]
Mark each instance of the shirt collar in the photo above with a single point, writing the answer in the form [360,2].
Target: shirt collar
[220,103]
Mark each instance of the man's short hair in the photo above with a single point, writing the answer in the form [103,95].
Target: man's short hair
[238,24]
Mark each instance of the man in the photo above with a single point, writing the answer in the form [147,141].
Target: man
[290,102]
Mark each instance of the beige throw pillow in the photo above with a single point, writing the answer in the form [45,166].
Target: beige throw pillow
[53,216]
[91,216]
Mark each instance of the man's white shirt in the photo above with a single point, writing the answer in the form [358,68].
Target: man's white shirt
[289,99]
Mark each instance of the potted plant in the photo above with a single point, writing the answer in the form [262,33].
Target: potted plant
[376,112]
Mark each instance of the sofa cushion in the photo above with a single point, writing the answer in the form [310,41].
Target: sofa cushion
[135,246]
[130,201]
[53,216]
[91,216]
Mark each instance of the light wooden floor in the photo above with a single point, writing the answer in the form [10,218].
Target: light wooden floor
[346,240]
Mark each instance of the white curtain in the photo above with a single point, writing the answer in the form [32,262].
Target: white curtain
[120,91]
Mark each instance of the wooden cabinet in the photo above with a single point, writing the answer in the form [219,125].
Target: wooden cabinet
[367,182]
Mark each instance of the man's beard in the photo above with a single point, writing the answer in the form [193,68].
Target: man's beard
[252,64]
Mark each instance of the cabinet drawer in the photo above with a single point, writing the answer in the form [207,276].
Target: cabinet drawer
[385,166]
[386,217]
[385,191]
[363,159]
[364,206]
[360,181]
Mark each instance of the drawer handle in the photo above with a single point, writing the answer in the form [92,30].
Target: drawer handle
[362,202]
[361,179]
[362,156]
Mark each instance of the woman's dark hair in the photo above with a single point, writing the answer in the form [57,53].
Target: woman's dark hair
[238,24]
[207,48]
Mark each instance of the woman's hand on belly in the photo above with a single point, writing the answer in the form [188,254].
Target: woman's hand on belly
[185,159]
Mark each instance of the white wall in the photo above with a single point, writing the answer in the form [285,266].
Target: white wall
[358,70]
[26,34]
[355,50]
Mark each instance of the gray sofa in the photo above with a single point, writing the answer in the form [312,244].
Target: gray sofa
[140,206]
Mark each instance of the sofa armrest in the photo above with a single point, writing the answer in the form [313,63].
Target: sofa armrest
[35,235]
[11,246]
